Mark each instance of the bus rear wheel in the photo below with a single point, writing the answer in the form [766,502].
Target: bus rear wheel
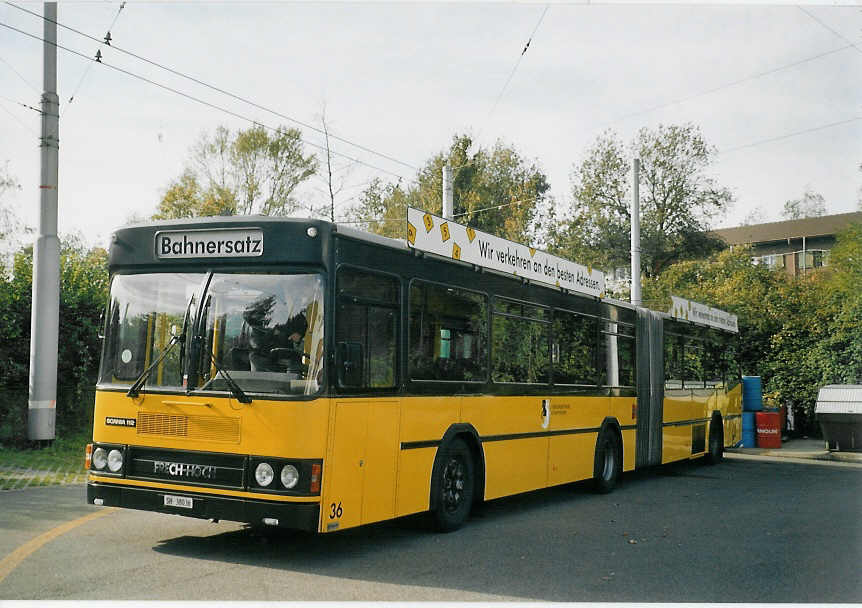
[452,483]
[716,442]
[608,462]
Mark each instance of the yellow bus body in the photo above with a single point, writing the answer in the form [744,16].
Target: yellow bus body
[371,471]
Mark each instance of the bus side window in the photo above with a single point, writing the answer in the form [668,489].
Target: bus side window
[712,362]
[673,361]
[366,323]
[576,348]
[520,343]
[448,334]
[693,364]
[617,351]
[627,361]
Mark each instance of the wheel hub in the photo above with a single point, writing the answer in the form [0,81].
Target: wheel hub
[453,484]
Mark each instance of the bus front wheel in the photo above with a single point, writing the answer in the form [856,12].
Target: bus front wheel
[608,462]
[452,483]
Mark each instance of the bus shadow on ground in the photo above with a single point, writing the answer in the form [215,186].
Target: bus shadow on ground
[404,550]
[501,537]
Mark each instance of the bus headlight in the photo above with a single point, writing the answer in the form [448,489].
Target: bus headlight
[289,476]
[264,474]
[100,459]
[115,461]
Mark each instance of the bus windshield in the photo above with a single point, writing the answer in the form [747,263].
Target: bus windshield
[264,332]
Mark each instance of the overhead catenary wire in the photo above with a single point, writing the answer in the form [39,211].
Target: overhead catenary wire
[518,62]
[835,32]
[224,92]
[19,121]
[89,65]
[789,135]
[726,85]
[18,74]
[471,212]
[199,100]
[21,103]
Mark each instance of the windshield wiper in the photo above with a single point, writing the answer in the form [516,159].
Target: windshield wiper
[134,390]
[231,383]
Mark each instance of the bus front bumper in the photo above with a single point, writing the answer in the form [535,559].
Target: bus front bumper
[299,516]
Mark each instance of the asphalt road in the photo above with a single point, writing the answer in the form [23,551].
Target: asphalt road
[747,530]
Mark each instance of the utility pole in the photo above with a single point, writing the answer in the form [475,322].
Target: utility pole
[448,197]
[45,313]
[636,233]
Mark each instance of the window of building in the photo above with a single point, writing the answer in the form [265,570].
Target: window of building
[812,258]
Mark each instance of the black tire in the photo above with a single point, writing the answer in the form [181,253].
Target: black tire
[608,464]
[715,452]
[452,485]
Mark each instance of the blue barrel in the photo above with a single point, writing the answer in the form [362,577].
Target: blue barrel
[752,394]
[749,430]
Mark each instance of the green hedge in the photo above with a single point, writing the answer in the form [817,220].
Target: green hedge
[83,291]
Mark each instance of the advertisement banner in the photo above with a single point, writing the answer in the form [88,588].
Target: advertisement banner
[701,313]
[427,232]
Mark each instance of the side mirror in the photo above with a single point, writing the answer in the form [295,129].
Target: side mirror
[102,329]
[349,364]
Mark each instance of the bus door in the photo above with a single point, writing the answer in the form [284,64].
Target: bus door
[363,459]
[364,444]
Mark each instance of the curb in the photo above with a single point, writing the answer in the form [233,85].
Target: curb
[824,455]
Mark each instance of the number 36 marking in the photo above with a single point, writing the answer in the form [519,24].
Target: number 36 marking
[335,511]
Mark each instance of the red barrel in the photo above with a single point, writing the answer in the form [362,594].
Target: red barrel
[768,429]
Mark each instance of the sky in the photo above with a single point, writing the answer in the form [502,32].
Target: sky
[777,90]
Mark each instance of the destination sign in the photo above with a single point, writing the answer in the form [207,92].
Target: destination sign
[217,243]
[427,232]
[701,313]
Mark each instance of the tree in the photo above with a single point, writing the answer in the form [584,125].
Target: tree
[798,334]
[811,204]
[494,190]
[250,172]
[11,226]
[83,292]
[677,201]
[754,216]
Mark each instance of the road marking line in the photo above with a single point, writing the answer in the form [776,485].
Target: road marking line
[11,561]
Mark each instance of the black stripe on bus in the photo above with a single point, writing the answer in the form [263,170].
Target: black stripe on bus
[539,434]
[686,422]
[413,445]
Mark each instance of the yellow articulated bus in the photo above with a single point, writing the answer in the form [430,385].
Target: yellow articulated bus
[301,374]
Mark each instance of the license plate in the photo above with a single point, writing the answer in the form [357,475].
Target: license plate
[178,501]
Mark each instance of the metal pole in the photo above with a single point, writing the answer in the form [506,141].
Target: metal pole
[45,312]
[636,233]
[448,196]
